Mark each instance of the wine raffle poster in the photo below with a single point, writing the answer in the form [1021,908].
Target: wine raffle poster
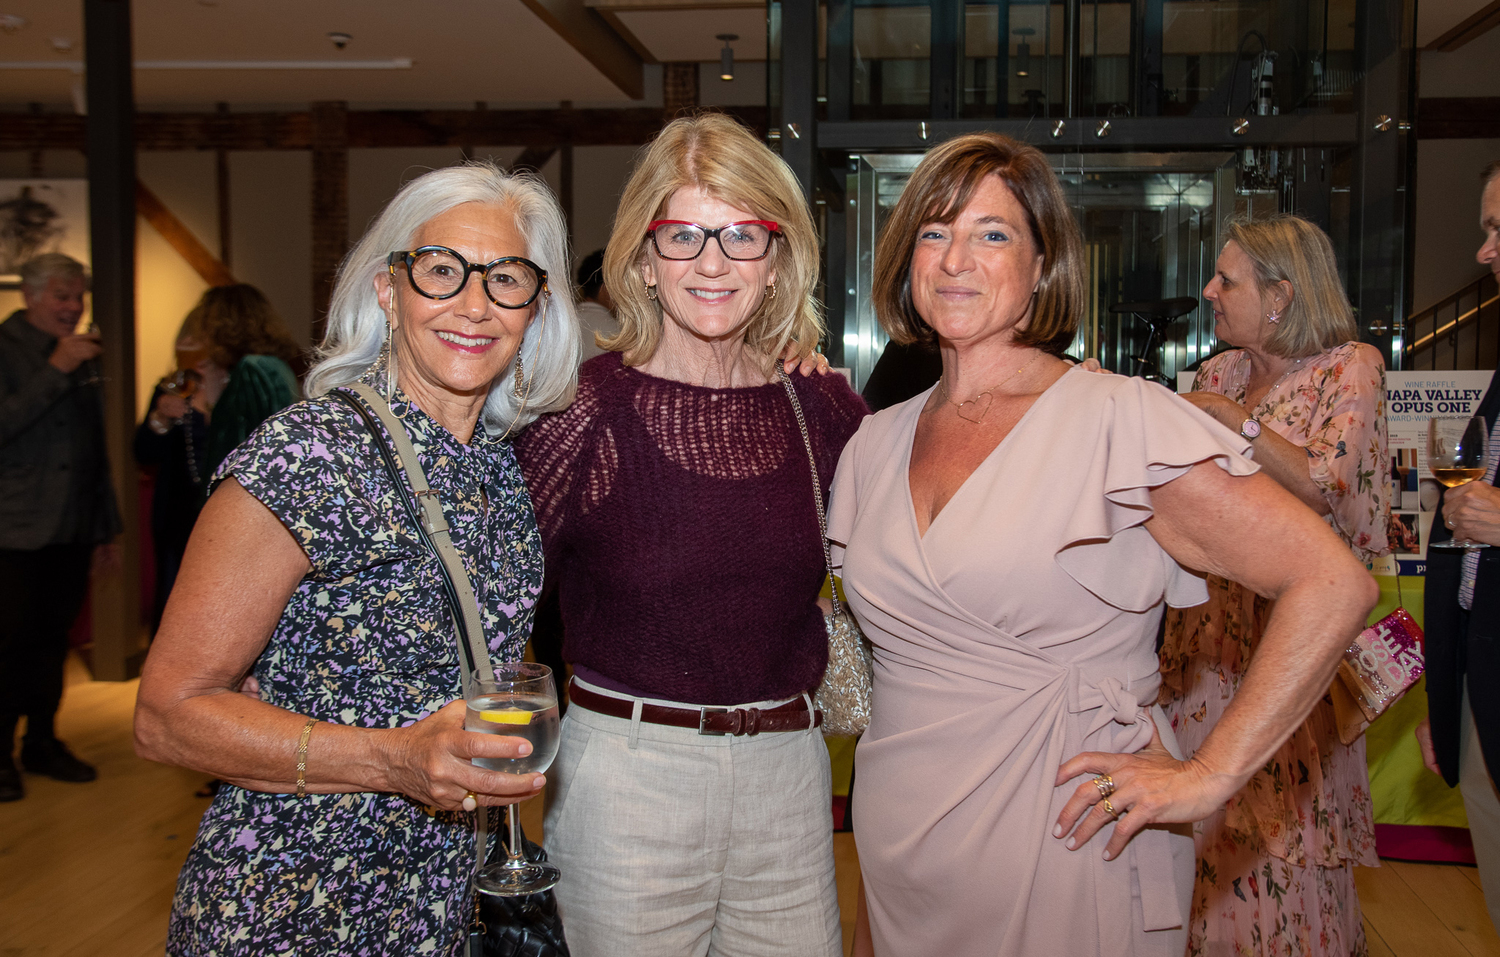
[1411,399]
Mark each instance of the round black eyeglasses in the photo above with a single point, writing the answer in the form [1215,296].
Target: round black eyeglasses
[438,272]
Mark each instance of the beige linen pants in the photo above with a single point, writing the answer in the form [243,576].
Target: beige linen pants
[675,844]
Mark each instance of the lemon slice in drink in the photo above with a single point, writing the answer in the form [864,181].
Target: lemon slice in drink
[512,716]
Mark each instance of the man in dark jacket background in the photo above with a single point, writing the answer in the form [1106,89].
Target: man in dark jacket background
[57,508]
[1461,738]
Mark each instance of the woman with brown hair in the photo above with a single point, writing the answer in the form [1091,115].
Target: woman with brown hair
[1278,861]
[233,362]
[1010,539]
[675,498]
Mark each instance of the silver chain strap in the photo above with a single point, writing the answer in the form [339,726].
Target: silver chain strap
[812,461]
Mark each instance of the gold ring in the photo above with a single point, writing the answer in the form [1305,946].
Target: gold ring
[1105,784]
[1109,809]
[471,802]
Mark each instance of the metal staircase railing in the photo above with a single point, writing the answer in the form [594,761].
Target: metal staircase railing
[1459,332]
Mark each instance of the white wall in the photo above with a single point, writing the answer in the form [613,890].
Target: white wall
[1446,232]
[599,175]
[1447,216]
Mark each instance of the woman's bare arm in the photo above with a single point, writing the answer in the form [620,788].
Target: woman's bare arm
[1250,530]
[1284,461]
[240,569]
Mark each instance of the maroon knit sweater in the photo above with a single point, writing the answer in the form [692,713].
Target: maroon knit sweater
[679,528]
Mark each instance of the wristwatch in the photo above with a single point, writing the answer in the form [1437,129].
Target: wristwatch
[1250,429]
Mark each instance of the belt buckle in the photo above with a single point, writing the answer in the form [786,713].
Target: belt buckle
[703,714]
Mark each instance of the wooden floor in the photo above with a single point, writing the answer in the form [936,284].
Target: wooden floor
[88,869]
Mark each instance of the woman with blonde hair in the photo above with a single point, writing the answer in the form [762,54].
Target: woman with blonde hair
[1277,863]
[675,499]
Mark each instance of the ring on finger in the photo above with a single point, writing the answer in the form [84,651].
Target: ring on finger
[1109,809]
[471,801]
[1105,784]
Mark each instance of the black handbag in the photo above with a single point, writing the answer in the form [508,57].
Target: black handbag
[518,926]
[527,926]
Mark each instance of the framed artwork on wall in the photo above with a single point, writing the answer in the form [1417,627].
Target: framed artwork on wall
[41,216]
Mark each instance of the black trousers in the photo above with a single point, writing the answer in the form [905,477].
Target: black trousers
[41,591]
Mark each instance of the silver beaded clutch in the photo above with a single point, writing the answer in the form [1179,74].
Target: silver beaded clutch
[844,695]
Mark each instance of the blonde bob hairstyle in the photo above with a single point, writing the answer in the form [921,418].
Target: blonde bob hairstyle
[1290,249]
[939,189]
[549,349]
[713,152]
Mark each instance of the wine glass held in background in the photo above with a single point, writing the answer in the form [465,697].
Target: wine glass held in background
[521,702]
[1457,451]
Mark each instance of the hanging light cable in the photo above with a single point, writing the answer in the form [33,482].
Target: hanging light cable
[726,56]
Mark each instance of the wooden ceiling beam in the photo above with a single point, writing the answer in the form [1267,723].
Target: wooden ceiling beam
[588,33]
[208,266]
[366,129]
[1472,27]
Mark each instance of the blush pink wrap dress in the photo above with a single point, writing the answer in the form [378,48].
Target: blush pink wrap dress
[1017,632]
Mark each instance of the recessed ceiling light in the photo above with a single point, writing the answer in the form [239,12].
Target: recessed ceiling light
[340,39]
[62,44]
[10,23]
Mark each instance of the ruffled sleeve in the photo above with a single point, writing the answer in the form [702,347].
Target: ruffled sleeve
[1347,454]
[1145,437]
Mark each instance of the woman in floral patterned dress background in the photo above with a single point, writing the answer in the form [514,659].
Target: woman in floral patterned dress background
[305,573]
[1275,866]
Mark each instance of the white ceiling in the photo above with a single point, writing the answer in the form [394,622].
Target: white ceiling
[673,35]
[461,51]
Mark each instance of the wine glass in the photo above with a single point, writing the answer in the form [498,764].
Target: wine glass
[1456,454]
[519,702]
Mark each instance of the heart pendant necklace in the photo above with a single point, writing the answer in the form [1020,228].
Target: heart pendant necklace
[975,409]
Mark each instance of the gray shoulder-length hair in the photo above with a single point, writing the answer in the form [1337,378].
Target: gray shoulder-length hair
[550,348]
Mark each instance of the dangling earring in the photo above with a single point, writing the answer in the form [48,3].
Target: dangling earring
[383,371]
[1273,317]
[520,387]
[650,291]
[771,291]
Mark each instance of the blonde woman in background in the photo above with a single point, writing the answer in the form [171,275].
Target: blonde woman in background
[1276,865]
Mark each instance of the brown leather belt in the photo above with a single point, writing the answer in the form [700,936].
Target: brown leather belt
[791,716]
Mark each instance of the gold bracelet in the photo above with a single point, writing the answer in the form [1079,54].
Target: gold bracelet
[302,758]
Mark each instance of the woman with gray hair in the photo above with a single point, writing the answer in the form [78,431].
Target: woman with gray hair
[341,829]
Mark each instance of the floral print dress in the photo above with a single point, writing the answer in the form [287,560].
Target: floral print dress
[1275,865]
[366,640]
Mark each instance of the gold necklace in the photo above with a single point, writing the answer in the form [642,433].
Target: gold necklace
[984,408]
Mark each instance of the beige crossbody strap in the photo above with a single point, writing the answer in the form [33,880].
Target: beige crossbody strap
[435,524]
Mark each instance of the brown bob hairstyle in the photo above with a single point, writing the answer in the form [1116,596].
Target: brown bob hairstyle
[939,190]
